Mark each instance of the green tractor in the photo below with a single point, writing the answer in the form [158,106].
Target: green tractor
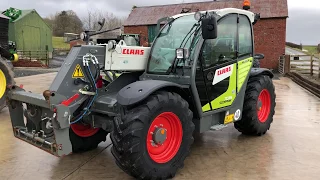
[197,76]
[7,54]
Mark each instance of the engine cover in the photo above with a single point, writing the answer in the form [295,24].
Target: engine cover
[127,58]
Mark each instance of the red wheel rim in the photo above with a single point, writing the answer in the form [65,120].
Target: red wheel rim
[163,153]
[84,130]
[265,105]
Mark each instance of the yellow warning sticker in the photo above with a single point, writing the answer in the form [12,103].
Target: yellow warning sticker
[229,119]
[78,73]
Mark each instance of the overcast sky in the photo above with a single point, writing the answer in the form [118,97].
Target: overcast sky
[303,23]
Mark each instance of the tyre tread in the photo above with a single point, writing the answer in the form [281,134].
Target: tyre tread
[126,144]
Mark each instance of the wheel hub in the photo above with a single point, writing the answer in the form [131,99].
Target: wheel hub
[259,105]
[159,136]
[264,105]
[164,137]
[3,84]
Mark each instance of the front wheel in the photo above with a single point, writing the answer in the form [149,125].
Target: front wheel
[6,78]
[152,140]
[258,108]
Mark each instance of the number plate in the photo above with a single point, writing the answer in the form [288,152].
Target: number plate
[229,119]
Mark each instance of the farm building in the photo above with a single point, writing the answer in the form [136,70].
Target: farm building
[270,31]
[29,31]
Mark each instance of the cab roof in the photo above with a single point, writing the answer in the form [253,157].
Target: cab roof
[222,12]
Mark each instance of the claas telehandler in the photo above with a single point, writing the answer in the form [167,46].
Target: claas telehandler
[197,76]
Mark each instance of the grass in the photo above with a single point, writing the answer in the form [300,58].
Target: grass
[311,49]
[58,43]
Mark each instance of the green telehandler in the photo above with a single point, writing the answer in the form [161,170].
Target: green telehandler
[197,76]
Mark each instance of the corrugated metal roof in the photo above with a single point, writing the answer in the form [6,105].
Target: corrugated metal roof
[3,16]
[150,14]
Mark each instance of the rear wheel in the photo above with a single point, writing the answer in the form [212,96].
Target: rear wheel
[152,140]
[85,138]
[6,78]
[259,105]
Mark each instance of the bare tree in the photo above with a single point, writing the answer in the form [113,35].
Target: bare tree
[50,20]
[63,22]
[93,16]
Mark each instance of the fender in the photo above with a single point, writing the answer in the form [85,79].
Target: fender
[140,90]
[261,71]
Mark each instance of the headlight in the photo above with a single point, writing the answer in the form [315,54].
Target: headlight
[182,53]
[91,43]
[197,16]
[83,36]
[111,45]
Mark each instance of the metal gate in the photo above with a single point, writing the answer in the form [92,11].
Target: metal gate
[281,67]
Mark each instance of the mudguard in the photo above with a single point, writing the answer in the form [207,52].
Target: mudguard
[140,90]
[261,71]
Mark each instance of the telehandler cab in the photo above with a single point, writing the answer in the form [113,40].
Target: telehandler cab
[197,76]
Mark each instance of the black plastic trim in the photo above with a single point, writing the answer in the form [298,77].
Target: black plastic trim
[261,71]
[140,90]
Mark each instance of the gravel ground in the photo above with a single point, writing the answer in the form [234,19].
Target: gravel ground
[54,66]
[22,72]
[56,61]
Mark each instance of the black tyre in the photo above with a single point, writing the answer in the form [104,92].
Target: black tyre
[6,78]
[259,105]
[84,138]
[152,140]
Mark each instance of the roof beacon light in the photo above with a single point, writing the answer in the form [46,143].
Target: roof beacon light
[246,4]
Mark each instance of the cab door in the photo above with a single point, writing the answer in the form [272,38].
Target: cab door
[245,50]
[216,76]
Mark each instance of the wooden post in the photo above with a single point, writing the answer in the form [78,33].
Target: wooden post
[319,66]
[311,65]
[287,64]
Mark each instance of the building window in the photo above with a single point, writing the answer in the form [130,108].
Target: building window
[151,33]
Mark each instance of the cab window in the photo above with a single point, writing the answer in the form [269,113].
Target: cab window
[245,37]
[223,48]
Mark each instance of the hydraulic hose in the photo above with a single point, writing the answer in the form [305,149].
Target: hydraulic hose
[90,101]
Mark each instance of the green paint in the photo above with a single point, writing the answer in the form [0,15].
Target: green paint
[244,67]
[13,13]
[31,33]
[227,98]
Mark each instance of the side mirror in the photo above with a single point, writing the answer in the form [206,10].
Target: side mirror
[209,28]
[258,56]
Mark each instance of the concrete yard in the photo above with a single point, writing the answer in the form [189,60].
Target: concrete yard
[289,151]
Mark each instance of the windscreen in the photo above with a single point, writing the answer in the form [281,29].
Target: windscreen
[170,38]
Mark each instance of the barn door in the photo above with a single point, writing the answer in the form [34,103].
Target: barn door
[31,38]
